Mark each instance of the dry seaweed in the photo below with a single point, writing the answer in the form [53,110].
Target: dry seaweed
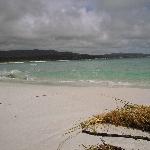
[130,116]
[102,147]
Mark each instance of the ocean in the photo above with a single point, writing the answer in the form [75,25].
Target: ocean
[133,72]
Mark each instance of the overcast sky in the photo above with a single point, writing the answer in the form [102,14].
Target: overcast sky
[88,26]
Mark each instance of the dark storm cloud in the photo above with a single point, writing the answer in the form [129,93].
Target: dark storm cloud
[81,25]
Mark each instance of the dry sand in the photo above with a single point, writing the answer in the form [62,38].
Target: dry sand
[34,117]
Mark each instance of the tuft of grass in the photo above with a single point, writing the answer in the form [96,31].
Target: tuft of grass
[102,147]
[130,116]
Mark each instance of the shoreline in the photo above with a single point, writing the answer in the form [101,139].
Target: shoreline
[34,117]
[86,83]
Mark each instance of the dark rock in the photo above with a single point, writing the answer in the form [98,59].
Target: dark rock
[11,76]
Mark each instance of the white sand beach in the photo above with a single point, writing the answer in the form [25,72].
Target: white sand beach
[34,117]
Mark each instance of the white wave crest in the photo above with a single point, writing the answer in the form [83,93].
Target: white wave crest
[17,62]
[38,61]
[13,74]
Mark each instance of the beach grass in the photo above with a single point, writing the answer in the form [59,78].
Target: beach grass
[131,116]
[102,147]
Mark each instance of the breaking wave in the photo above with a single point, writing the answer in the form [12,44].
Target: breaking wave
[97,82]
[14,75]
[38,61]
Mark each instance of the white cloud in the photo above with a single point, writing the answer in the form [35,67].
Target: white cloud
[81,25]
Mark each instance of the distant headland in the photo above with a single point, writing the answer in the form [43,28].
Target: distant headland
[53,55]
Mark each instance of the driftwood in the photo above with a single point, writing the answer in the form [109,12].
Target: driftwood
[116,135]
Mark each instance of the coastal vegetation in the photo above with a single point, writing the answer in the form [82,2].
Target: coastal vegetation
[102,147]
[38,55]
[129,116]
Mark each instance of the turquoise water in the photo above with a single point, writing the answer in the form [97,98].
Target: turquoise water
[115,72]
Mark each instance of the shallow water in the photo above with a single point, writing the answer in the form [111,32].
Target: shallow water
[116,72]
